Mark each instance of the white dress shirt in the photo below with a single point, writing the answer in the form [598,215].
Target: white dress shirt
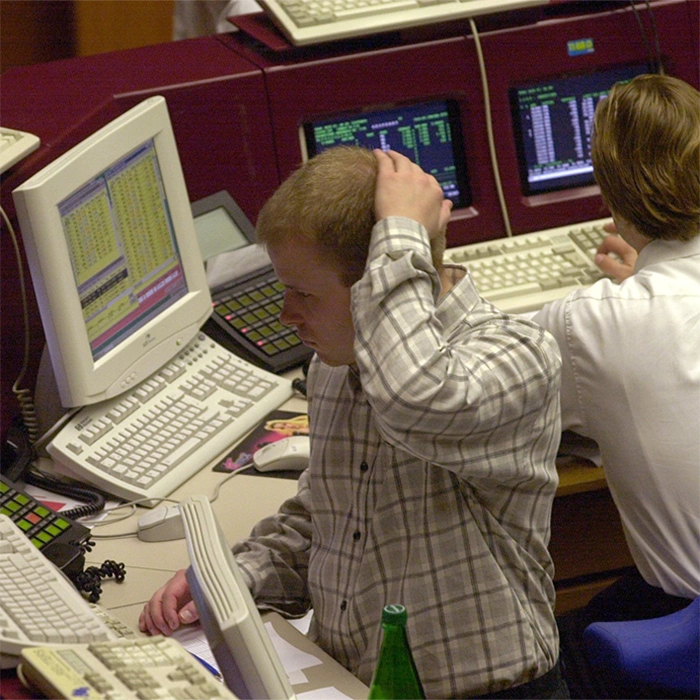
[631,382]
[192,18]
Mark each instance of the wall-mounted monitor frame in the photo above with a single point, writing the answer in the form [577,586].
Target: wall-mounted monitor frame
[553,125]
[429,132]
[586,43]
[324,87]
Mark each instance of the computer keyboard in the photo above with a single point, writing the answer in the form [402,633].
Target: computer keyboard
[114,624]
[315,21]
[15,145]
[147,442]
[524,272]
[38,604]
[150,667]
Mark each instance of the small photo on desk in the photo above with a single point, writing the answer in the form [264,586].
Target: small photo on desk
[276,426]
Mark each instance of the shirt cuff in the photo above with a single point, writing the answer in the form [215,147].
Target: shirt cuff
[397,234]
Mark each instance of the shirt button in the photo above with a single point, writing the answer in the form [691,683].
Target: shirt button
[344,605]
[364,467]
[356,535]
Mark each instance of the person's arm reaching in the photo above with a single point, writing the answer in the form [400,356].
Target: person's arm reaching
[615,257]
[169,607]
[273,561]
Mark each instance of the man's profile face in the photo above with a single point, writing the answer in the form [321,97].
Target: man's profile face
[316,302]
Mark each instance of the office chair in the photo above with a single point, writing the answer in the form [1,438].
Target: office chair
[661,655]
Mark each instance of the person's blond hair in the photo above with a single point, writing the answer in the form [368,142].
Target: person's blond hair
[330,201]
[646,155]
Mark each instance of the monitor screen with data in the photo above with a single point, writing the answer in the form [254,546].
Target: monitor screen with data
[113,254]
[429,133]
[553,122]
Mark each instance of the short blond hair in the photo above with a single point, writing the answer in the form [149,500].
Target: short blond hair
[330,201]
[646,155]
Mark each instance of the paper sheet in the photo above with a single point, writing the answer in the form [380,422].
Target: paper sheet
[235,263]
[293,660]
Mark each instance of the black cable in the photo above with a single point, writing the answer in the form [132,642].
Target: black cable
[655,64]
[17,452]
[657,45]
[24,396]
[95,500]
[300,384]
[90,580]
[650,57]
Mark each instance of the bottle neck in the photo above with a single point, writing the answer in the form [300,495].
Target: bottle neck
[395,675]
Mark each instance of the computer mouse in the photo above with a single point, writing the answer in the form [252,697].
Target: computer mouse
[161,524]
[290,453]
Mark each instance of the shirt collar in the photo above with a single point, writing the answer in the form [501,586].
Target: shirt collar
[661,251]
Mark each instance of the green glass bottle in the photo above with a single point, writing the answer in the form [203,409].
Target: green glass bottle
[395,676]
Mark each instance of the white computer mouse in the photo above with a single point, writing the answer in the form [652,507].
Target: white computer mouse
[290,453]
[161,524]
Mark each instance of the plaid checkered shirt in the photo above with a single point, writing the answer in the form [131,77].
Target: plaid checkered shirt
[431,483]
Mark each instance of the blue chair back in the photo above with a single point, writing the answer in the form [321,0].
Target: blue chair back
[663,652]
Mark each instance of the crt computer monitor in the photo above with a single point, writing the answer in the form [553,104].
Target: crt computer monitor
[113,254]
[234,629]
[429,133]
[553,123]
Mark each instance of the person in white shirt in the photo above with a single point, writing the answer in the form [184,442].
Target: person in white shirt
[192,18]
[631,353]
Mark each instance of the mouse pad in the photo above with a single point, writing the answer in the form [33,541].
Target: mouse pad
[277,425]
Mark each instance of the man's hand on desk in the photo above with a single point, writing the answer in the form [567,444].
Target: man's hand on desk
[170,607]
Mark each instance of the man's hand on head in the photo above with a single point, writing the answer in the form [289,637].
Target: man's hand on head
[404,189]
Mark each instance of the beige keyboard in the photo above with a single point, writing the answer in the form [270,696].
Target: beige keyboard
[15,145]
[317,21]
[38,604]
[522,273]
[148,441]
[148,667]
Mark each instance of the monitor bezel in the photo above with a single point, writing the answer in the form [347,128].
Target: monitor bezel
[82,380]
[570,184]
[223,200]
[309,146]
[244,652]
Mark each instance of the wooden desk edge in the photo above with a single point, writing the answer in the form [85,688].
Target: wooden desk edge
[577,475]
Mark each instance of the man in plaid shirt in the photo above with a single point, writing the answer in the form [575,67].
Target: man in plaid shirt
[434,422]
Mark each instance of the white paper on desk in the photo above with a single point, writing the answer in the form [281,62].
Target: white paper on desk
[195,641]
[293,660]
[228,266]
[323,694]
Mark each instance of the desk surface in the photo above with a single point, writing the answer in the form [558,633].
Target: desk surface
[578,475]
[243,500]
